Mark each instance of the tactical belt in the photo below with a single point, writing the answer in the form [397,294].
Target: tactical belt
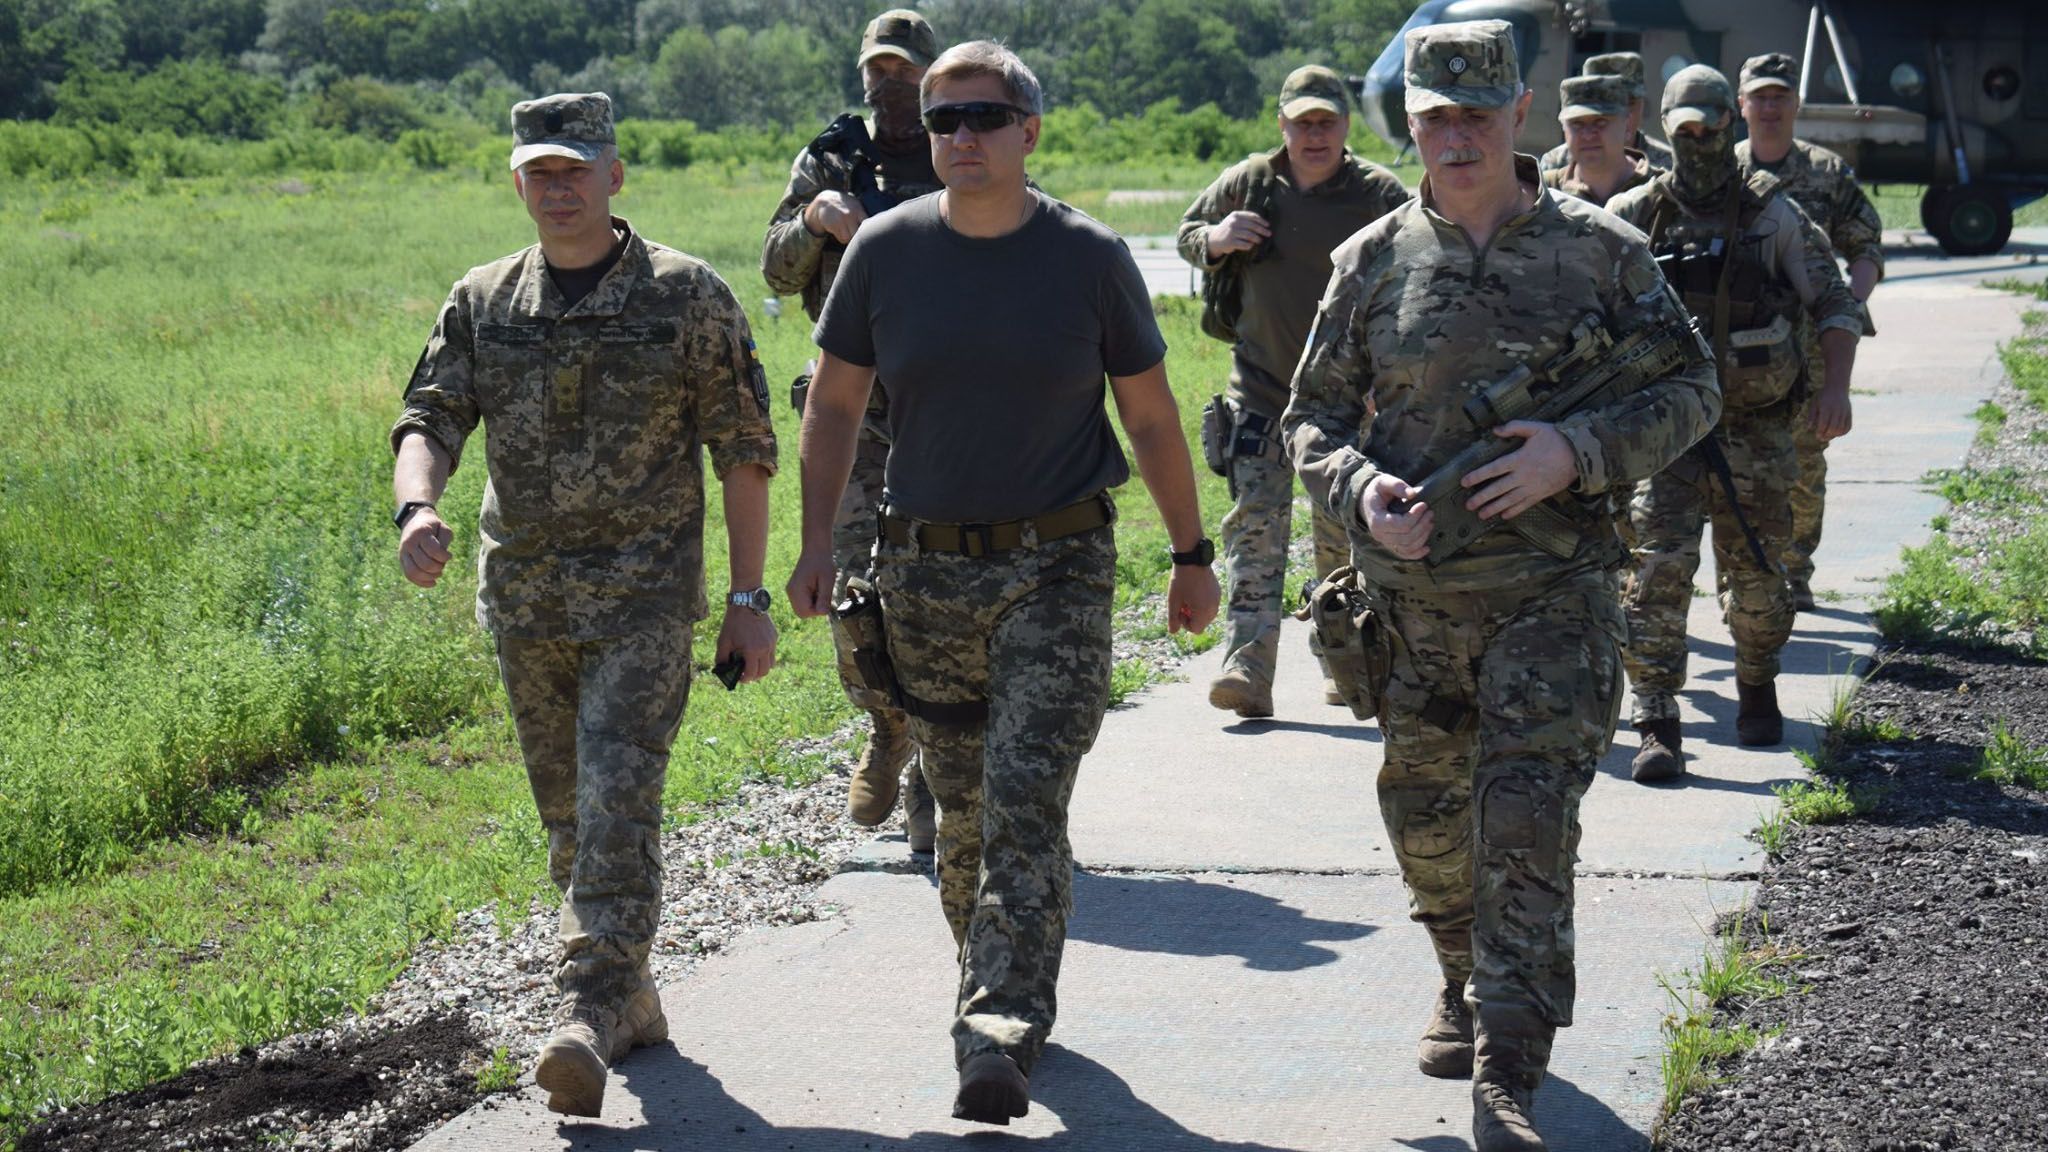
[985,539]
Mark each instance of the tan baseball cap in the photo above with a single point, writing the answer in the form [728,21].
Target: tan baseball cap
[900,32]
[1313,87]
[1628,65]
[1593,96]
[1471,63]
[574,124]
[1696,94]
[1769,70]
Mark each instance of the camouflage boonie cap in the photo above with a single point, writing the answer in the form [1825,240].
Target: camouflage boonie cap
[1697,94]
[574,124]
[1771,68]
[1471,63]
[1593,96]
[1628,65]
[1311,87]
[900,32]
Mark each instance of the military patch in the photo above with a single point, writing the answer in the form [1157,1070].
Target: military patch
[511,333]
[1456,65]
[757,376]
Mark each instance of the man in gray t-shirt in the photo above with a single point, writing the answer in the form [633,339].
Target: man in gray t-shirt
[995,314]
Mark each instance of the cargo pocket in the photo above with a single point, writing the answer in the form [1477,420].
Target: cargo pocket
[1761,367]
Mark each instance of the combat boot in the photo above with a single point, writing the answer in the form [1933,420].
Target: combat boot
[1331,693]
[1500,1118]
[1510,1052]
[1446,1048]
[642,1022]
[992,1090]
[920,813]
[1659,758]
[1239,691]
[1802,596]
[1757,719]
[871,794]
[572,1065]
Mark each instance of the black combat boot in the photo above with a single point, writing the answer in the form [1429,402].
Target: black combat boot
[992,1090]
[1446,1048]
[1757,719]
[1659,757]
[1511,1051]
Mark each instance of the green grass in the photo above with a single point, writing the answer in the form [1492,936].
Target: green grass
[1731,972]
[244,768]
[1999,487]
[1991,418]
[2011,760]
[500,1074]
[1899,206]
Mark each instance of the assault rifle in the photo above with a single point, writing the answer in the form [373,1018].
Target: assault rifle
[847,138]
[1594,369]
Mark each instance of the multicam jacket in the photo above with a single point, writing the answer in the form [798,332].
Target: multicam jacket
[593,514]
[1825,188]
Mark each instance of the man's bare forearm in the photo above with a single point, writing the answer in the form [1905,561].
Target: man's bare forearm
[1838,359]
[833,411]
[745,493]
[1151,420]
[421,473]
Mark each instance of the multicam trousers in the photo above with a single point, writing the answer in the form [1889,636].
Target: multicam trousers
[1668,512]
[595,720]
[1256,534]
[1484,814]
[1028,630]
[1810,483]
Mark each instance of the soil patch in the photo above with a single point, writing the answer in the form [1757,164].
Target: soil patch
[1920,936]
[392,1087]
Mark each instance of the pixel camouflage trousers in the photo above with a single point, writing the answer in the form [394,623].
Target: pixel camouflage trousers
[1485,820]
[1029,631]
[1667,512]
[1256,533]
[596,719]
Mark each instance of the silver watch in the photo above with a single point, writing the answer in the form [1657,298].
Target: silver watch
[757,600]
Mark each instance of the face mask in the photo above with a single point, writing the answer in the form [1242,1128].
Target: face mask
[1705,165]
[894,103]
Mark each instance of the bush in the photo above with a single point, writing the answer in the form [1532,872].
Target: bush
[360,105]
[183,97]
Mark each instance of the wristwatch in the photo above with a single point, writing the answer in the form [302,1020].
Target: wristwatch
[757,600]
[406,510]
[1203,554]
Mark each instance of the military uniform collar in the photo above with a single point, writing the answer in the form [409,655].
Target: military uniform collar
[1527,171]
[1350,174]
[538,297]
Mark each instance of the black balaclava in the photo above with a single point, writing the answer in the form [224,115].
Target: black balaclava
[894,103]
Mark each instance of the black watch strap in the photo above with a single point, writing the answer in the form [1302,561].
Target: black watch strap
[406,510]
[1203,554]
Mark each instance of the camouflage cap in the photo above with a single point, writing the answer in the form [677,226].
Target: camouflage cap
[1471,63]
[900,32]
[575,124]
[1628,65]
[1314,87]
[1696,94]
[1771,68]
[1593,96]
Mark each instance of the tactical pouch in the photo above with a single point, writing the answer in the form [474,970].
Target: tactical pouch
[1761,367]
[1357,648]
[857,627]
[799,388]
[1217,429]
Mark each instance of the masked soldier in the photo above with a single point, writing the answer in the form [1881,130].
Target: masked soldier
[1825,188]
[1748,265]
[854,171]
[1271,221]
[996,562]
[600,364]
[1500,666]
[1594,112]
[1628,66]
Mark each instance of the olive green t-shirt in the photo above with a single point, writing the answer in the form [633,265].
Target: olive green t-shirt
[996,352]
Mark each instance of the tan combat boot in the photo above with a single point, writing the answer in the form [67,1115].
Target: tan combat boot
[642,1022]
[1510,1052]
[1239,691]
[1446,1048]
[992,1090]
[871,795]
[1757,719]
[920,813]
[1659,758]
[572,1065]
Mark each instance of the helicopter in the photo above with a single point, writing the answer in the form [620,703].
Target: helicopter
[1950,96]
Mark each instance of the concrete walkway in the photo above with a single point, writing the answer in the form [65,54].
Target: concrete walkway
[1241,973]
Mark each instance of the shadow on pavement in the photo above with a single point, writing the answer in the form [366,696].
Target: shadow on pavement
[692,1112]
[1190,917]
[1566,1117]
[1342,729]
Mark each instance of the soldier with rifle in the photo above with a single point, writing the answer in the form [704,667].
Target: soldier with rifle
[850,174]
[1490,309]
[1748,264]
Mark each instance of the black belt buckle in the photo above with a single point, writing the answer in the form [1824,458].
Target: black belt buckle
[984,533]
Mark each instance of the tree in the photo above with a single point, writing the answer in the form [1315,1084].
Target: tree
[41,41]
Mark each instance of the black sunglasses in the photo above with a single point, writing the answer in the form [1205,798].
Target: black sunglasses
[979,115]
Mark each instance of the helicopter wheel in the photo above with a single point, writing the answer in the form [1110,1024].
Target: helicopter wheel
[1968,220]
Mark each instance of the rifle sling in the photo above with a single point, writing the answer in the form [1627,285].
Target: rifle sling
[1710,450]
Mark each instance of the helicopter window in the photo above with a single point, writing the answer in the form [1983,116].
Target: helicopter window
[1907,81]
[2001,83]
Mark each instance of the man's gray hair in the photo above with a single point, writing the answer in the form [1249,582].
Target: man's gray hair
[986,58]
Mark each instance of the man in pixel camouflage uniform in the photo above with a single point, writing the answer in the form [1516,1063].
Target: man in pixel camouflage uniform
[1825,188]
[1313,194]
[1505,668]
[1594,113]
[996,563]
[1628,66]
[600,364]
[1749,265]
[853,168]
